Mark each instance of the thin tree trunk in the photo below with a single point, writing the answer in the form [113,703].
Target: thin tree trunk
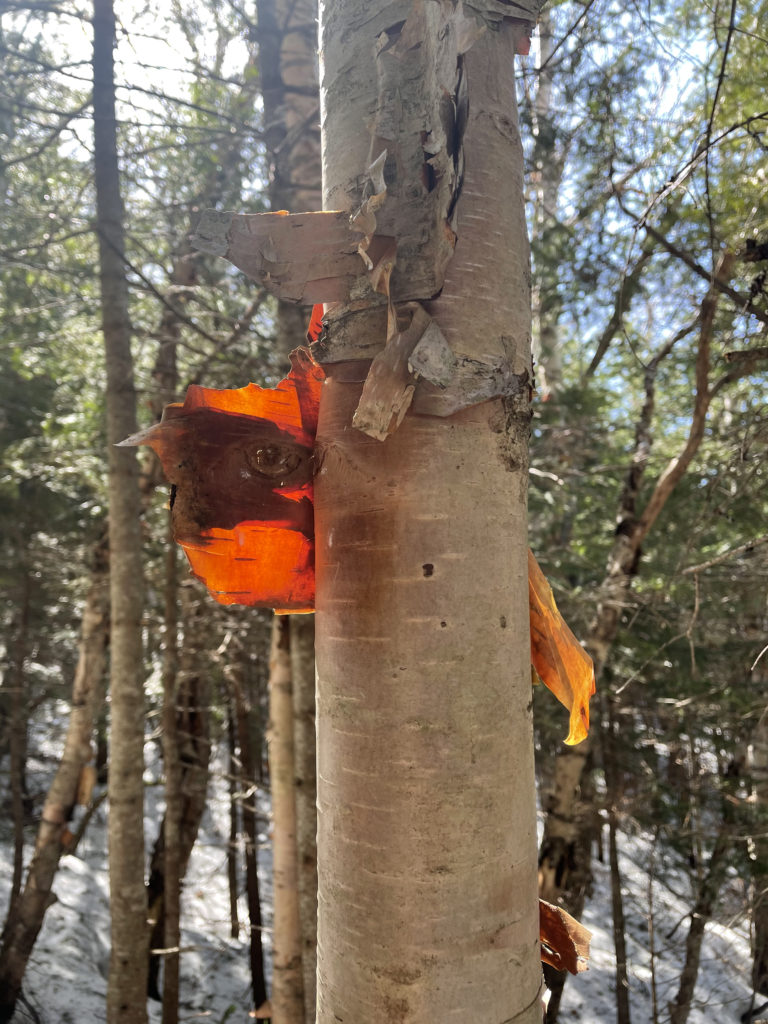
[287,978]
[549,155]
[566,855]
[126,1001]
[619,926]
[652,952]
[759,771]
[18,725]
[193,754]
[173,793]
[303,675]
[612,774]
[287,35]
[23,925]
[232,847]
[248,786]
[709,891]
[426,841]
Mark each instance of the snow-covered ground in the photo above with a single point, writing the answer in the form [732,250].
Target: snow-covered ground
[657,903]
[66,980]
[67,975]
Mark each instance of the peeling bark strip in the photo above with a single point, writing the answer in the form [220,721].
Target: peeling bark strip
[413,74]
[404,193]
[299,257]
[565,942]
[495,10]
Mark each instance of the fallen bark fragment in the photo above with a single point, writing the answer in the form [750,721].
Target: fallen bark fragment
[564,941]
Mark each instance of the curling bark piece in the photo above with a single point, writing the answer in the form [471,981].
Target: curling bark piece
[299,257]
[422,366]
[400,237]
[240,464]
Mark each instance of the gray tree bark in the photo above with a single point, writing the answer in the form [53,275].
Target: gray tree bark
[305,756]
[758,770]
[126,1000]
[287,34]
[189,787]
[250,775]
[173,852]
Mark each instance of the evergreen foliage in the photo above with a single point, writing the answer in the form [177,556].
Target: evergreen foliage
[647,160]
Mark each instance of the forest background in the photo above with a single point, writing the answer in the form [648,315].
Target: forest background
[645,133]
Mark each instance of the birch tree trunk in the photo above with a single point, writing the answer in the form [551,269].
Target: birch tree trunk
[126,1001]
[288,65]
[426,841]
[287,980]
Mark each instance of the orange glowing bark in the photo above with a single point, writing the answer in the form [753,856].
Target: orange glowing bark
[560,660]
[241,468]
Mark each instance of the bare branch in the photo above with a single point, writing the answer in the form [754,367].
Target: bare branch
[677,466]
[689,166]
[749,545]
[747,355]
[643,437]
[742,301]
[51,138]
[708,135]
[628,281]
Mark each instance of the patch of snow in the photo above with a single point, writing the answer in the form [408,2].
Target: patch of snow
[66,980]
[723,984]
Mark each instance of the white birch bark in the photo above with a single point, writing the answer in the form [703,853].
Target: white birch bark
[426,841]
